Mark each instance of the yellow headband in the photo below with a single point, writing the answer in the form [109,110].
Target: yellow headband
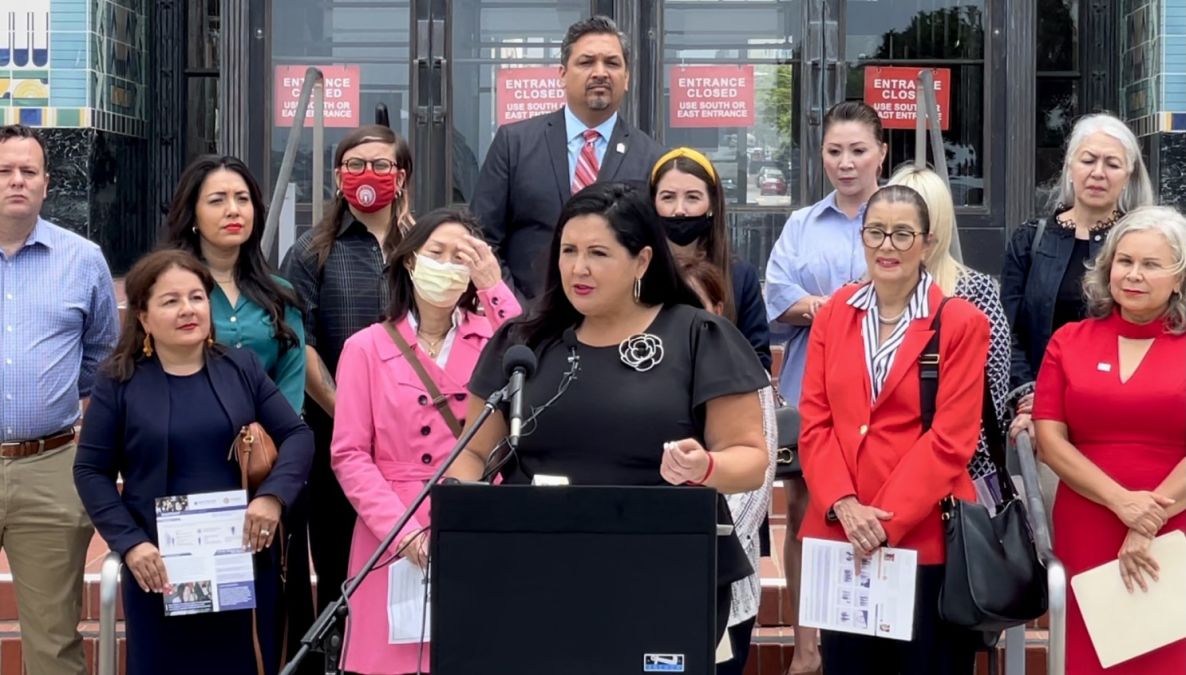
[691,154]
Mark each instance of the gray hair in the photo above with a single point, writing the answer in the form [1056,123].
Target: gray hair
[1097,281]
[1138,191]
[594,25]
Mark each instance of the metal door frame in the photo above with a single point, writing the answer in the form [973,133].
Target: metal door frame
[430,100]
[826,72]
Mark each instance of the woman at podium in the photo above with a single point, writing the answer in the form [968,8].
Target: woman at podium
[636,385]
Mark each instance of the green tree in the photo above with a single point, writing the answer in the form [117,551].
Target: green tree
[778,104]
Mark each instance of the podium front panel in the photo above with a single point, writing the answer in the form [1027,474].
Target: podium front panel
[574,580]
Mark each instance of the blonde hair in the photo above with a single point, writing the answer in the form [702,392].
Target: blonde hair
[942,267]
[1138,190]
[1097,289]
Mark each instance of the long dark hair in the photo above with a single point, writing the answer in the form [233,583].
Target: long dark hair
[716,243]
[253,274]
[138,285]
[631,215]
[403,297]
[325,232]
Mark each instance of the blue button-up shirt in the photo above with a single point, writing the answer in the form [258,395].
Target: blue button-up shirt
[58,321]
[575,130]
[818,251]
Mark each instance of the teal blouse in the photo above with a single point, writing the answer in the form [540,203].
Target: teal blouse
[248,326]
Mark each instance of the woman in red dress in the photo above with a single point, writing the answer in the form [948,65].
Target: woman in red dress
[1110,412]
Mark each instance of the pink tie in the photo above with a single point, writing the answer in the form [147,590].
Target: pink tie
[587,168]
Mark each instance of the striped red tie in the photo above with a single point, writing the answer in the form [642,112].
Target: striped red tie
[587,167]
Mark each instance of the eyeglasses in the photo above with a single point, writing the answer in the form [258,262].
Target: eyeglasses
[901,240]
[380,166]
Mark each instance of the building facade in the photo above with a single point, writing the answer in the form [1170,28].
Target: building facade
[132,89]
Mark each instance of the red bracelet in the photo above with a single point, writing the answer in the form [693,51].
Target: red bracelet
[711,465]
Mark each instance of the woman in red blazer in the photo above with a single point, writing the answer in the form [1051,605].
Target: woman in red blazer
[874,477]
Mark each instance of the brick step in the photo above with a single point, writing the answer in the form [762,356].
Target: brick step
[90,600]
[773,647]
[770,654]
[774,607]
[10,647]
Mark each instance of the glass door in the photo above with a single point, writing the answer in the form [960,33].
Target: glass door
[786,62]
[734,76]
[363,47]
[500,64]
[881,41]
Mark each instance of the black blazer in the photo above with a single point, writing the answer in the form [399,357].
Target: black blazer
[126,431]
[524,184]
[751,310]
[1029,290]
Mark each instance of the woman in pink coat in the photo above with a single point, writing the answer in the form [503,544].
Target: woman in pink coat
[447,298]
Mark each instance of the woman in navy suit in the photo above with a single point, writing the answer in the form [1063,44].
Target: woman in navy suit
[164,414]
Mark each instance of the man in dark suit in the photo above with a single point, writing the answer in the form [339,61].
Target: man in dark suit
[534,166]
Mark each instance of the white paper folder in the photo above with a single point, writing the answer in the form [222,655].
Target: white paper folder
[1124,625]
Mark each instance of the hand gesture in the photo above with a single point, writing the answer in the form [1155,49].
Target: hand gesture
[144,560]
[261,523]
[1026,404]
[814,306]
[477,255]
[1143,511]
[862,524]
[1136,562]
[414,547]
[1022,422]
[684,462]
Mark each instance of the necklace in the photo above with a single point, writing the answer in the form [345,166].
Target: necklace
[1070,224]
[891,320]
[433,347]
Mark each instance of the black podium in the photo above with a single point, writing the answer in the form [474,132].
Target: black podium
[574,580]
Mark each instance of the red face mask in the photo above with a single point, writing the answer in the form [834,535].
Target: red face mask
[368,191]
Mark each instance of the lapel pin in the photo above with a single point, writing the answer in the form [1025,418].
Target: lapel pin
[1104,367]
[621,148]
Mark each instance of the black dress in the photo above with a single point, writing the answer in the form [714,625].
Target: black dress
[199,435]
[609,425]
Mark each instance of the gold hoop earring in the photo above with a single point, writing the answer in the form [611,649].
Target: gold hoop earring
[147,349]
[638,289]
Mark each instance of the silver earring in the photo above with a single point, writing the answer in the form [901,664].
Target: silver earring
[638,289]
[195,229]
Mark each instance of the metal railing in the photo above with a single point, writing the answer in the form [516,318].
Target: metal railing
[1056,574]
[108,593]
[313,87]
[926,119]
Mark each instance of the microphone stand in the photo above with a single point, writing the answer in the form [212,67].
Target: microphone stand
[321,636]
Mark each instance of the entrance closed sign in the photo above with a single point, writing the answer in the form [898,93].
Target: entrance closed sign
[342,91]
[522,93]
[711,96]
[893,93]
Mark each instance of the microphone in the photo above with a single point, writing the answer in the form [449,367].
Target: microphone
[518,364]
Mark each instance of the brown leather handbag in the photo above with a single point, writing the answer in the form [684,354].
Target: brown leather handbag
[256,453]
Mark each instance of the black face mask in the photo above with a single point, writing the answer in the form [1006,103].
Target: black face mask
[684,230]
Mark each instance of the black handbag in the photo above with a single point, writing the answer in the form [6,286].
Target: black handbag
[786,455]
[993,578]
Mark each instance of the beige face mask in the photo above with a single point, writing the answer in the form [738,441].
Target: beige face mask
[438,283]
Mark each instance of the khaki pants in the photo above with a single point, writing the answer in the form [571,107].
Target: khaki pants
[45,533]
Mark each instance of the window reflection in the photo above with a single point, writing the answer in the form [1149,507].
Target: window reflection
[758,159]
[372,35]
[1058,107]
[950,36]
[490,38]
